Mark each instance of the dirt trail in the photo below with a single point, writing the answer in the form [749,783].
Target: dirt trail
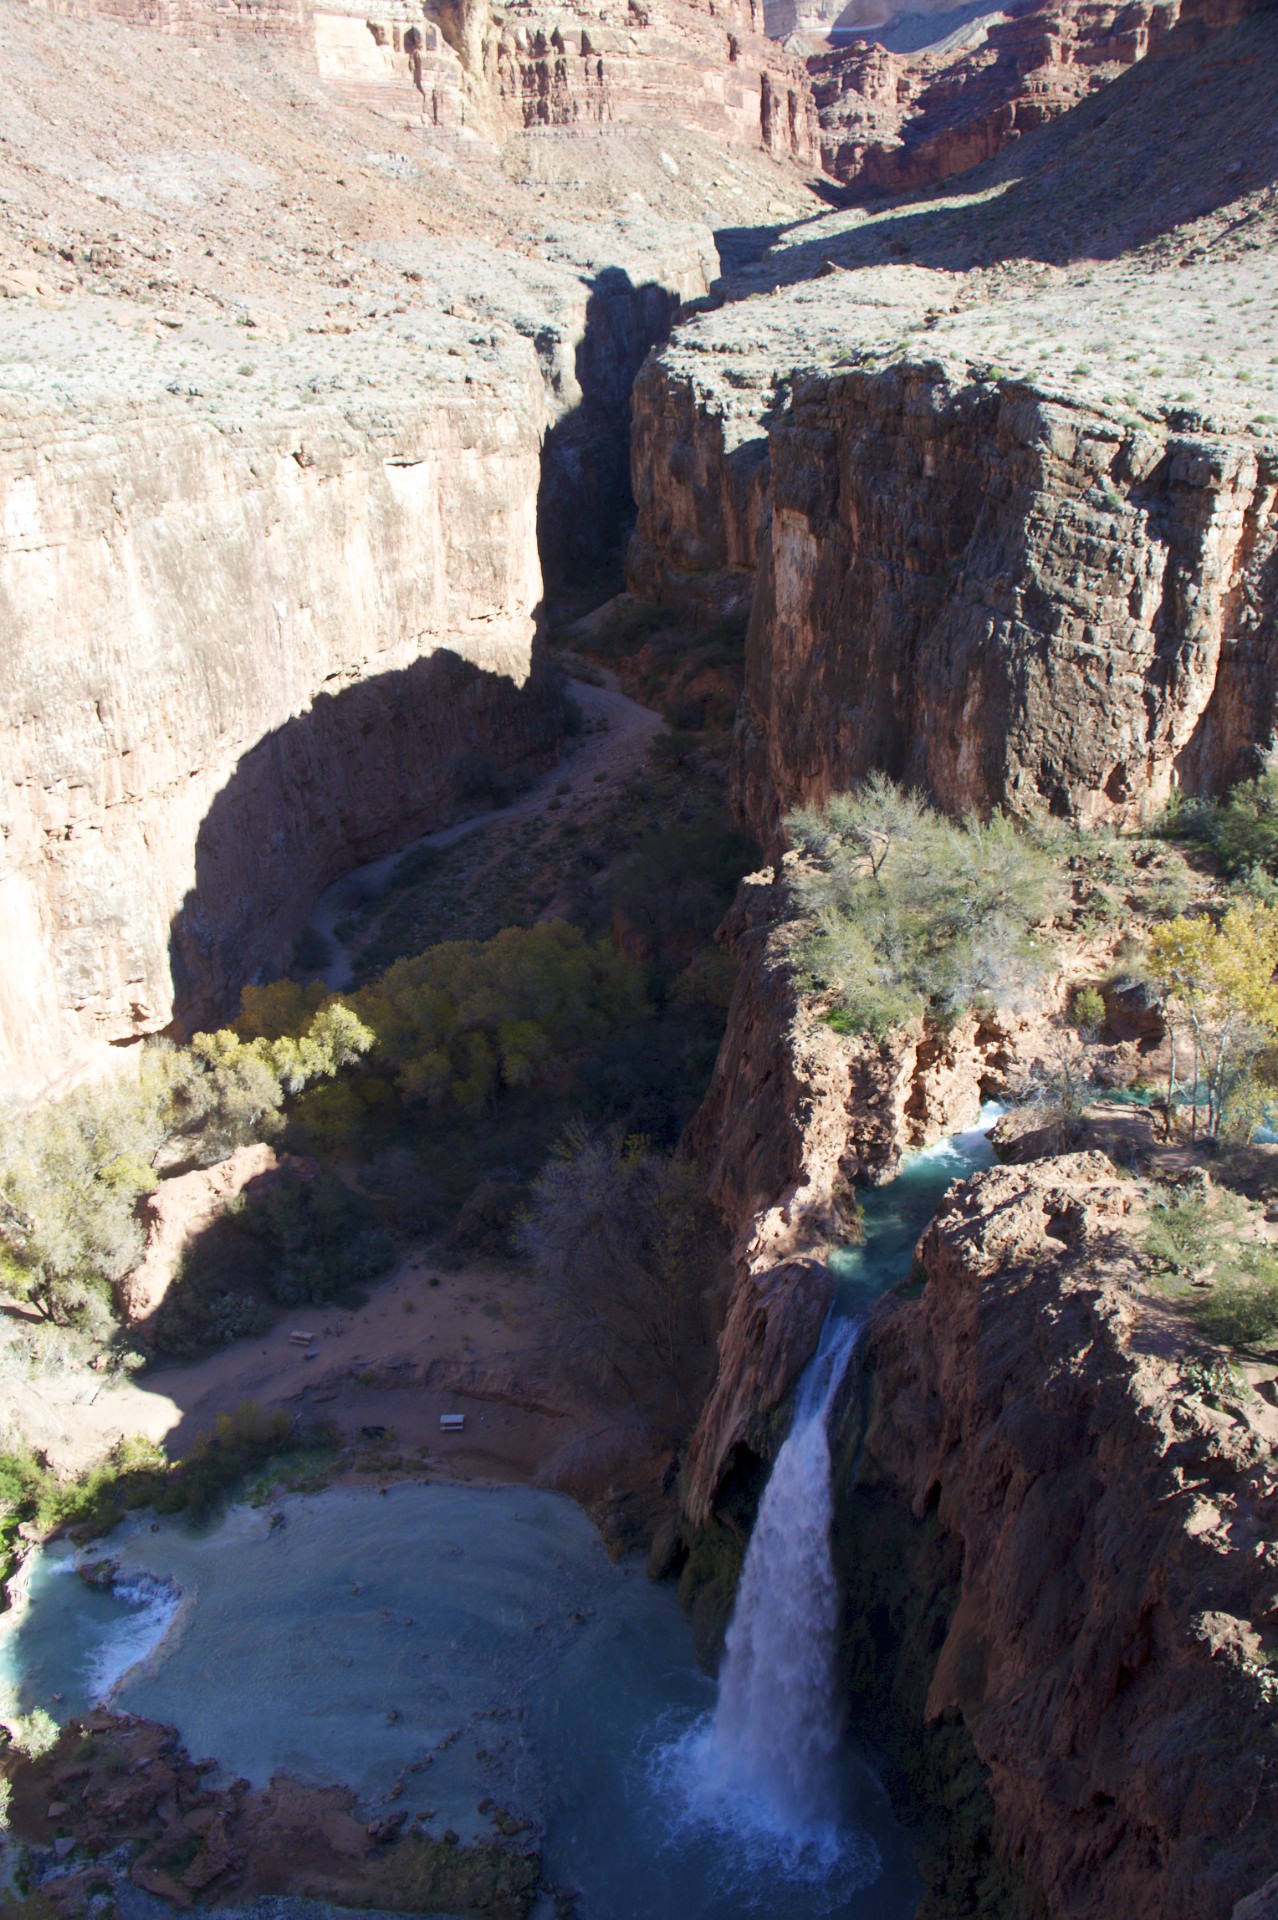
[613,745]
[409,1353]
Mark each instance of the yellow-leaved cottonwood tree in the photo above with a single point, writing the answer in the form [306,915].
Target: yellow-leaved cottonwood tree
[1217,979]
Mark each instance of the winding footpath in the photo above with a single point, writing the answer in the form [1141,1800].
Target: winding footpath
[613,746]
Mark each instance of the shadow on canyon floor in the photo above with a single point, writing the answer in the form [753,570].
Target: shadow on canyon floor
[358,774]
[372,767]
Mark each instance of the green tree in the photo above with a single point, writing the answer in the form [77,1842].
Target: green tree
[73,1171]
[458,1023]
[224,1090]
[913,914]
[1218,984]
[71,1175]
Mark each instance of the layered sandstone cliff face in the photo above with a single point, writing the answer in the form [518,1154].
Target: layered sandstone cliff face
[468,65]
[895,122]
[1006,523]
[296,644]
[1007,603]
[666,63]
[1048,1532]
[297,428]
[985,589]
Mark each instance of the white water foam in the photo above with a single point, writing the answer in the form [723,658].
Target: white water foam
[761,1768]
[135,1636]
[963,1149]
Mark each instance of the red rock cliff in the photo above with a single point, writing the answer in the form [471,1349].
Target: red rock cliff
[1114,1545]
[1006,602]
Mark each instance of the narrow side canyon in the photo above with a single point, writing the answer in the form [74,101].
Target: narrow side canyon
[524,465]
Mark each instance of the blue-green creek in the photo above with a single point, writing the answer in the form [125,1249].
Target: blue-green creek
[478,1645]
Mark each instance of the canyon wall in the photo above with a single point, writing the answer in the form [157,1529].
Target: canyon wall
[898,121]
[699,471]
[976,587]
[1059,1546]
[1007,530]
[1006,602]
[313,629]
[234,664]
[667,63]
[585,505]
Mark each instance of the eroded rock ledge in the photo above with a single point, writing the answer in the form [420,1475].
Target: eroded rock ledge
[795,1118]
[1047,1538]
[300,637]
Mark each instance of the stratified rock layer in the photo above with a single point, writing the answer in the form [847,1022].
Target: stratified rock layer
[668,63]
[1114,1552]
[468,65]
[896,122]
[1007,602]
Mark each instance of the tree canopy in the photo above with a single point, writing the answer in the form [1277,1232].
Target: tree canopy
[913,914]
[1217,979]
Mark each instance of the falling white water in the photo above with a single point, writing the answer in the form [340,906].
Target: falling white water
[763,1766]
[777,1725]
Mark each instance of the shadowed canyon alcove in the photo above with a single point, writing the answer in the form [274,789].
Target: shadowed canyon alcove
[359,773]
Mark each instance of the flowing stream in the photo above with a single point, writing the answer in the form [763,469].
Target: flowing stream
[766,1761]
[478,1645]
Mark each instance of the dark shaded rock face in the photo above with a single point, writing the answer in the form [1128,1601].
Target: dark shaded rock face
[1078,1556]
[1005,601]
[585,506]
[359,774]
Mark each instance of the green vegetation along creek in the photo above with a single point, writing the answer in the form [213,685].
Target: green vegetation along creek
[531,1022]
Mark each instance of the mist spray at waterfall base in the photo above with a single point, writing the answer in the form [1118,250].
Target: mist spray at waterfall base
[765,1767]
[766,1772]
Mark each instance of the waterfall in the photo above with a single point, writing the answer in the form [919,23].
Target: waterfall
[766,1770]
[777,1724]
[762,1766]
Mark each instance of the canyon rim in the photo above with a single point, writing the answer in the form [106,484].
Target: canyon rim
[638,937]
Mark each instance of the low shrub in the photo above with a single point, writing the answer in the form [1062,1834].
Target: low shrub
[1087,1009]
[913,914]
[1241,830]
[1241,1309]
[486,1222]
[478,777]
